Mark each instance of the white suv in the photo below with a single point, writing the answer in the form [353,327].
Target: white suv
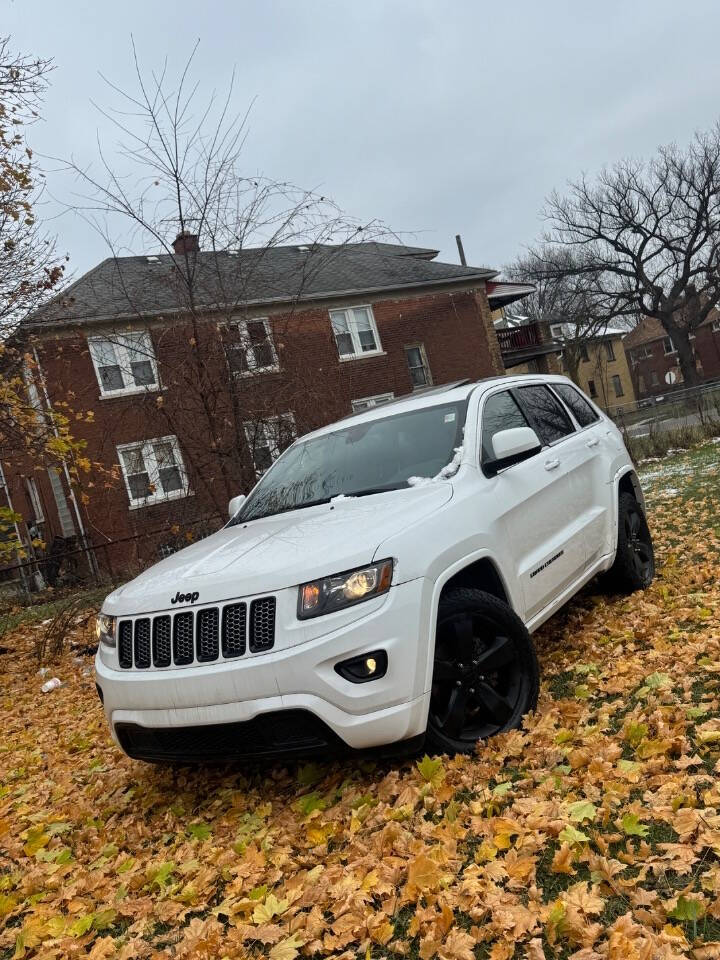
[380,583]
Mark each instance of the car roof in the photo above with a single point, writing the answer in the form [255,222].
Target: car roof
[457,391]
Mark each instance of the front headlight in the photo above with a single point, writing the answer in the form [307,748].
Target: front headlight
[344,589]
[105,629]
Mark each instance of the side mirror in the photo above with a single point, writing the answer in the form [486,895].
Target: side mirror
[235,504]
[511,446]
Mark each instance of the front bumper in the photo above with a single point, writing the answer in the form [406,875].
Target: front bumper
[298,677]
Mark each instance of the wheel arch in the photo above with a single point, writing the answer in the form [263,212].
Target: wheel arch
[480,571]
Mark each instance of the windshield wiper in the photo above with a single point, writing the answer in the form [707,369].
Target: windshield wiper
[369,490]
[272,513]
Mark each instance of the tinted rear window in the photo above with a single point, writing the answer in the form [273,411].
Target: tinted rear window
[581,409]
[545,413]
[499,413]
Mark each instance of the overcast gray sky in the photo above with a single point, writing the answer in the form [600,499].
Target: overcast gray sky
[436,117]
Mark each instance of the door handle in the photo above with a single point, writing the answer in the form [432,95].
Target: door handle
[551,464]
[593,443]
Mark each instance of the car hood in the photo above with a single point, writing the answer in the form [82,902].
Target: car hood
[280,551]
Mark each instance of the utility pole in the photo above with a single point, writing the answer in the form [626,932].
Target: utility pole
[458,241]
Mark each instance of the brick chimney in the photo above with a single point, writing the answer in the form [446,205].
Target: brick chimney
[186,243]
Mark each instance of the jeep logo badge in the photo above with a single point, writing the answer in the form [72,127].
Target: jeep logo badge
[185,597]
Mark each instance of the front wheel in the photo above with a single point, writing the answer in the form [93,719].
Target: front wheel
[485,675]
[634,566]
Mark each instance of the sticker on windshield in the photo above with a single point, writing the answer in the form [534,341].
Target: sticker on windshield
[449,417]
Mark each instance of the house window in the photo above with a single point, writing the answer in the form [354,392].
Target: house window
[716,326]
[668,346]
[34,498]
[365,403]
[268,438]
[584,356]
[255,351]
[124,363]
[153,470]
[617,386]
[654,379]
[592,389]
[609,349]
[556,330]
[643,353]
[418,365]
[355,332]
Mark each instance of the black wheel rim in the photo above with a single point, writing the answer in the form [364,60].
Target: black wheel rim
[636,537]
[477,679]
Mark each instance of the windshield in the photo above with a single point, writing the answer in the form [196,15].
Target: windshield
[359,459]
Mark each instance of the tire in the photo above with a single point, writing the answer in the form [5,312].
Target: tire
[485,668]
[634,565]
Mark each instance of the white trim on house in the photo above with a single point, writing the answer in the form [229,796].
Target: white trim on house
[346,316]
[365,403]
[247,349]
[269,438]
[119,347]
[34,498]
[152,468]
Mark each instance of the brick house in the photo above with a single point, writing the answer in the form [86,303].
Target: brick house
[184,396]
[653,358]
[603,371]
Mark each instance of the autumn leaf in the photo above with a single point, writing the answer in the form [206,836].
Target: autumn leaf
[572,835]
[272,907]
[582,810]
[632,827]
[423,873]
[286,949]
[431,770]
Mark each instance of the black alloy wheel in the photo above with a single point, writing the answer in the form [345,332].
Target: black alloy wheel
[485,675]
[634,566]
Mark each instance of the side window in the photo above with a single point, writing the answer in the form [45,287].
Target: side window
[499,413]
[581,409]
[545,413]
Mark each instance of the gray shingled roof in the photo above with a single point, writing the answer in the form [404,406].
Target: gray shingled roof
[127,286]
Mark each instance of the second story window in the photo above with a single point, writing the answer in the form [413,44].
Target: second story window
[355,332]
[418,365]
[668,346]
[254,351]
[609,349]
[124,363]
[617,386]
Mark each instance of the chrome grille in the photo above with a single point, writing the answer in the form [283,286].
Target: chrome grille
[234,625]
[161,641]
[208,639]
[183,638]
[262,624]
[197,636]
[142,643]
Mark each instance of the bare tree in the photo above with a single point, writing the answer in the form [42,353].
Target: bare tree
[649,233]
[179,173]
[566,295]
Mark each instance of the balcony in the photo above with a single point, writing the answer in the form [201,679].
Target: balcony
[526,342]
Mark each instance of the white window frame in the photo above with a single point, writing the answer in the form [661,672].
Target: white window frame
[122,353]
[715,326]
[34,497]
[245,344]
[556,330]
[367,403]
[251,430]
[348,314]
[673,348]
[424,364]
[148,453]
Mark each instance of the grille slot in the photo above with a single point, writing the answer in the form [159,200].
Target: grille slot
[208,635]
[125,644]
[262,624]
[183,638]
[234,625]
[161,641]
[142,643]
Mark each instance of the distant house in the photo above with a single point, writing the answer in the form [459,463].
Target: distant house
[183,409]
[603,371]
[653,358]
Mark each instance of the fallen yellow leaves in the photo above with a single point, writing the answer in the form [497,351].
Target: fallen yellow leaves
[592,833]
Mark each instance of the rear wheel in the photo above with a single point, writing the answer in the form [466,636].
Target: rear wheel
[485,676]
[634,566]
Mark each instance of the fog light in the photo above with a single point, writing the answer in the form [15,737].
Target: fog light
[368,666]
